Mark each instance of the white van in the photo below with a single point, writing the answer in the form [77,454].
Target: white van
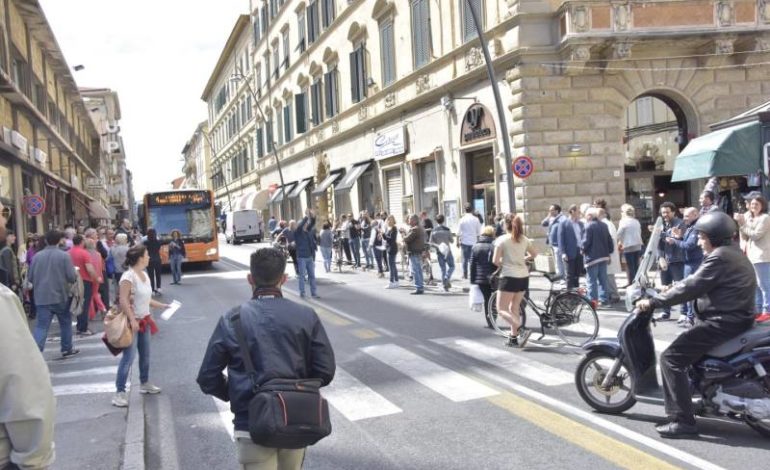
[244,225]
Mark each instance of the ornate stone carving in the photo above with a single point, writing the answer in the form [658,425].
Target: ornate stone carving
[621,50]
[363,111]
[621,16]
[724,46]
[422,83]
[579,16]
[319,136]
[764,11]
[473,58]
[580,53]
[762,44]
[335,126]
[725,13]
[390,100]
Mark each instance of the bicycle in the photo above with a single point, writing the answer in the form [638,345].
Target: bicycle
[567,311]
[337,245]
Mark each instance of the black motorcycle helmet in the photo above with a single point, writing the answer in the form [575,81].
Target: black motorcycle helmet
[717,226]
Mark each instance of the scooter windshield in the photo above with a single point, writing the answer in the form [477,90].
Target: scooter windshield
[635,337]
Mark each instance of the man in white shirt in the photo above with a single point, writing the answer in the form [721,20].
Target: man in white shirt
[467,234]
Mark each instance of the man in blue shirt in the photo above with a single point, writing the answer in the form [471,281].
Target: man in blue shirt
[687,240]
[551,223]
[304,241]
[569,234]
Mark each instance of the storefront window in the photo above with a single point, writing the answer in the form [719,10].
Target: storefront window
[368,194]
[5,183]
[428,192]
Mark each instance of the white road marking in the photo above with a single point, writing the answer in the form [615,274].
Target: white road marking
[225,415]
[85,389]
[517,364]
[688,459]
[80,359]
[239,274]
[446,382]
[355,400]
[86,372]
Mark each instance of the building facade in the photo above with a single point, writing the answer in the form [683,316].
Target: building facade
[197,159]
[49,145]
[386,105]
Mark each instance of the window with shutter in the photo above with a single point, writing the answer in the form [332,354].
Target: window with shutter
[276,61]
[260,143]
[316,101]
[301,32]
[420,32]
[328,13]
[312,22]
[330,80]
[300,106]
[286,49]
[387,51]
[287,134]
[265,21]
[468,26]
[256,29]
[269,135]
[355,89]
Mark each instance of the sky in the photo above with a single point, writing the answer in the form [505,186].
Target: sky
[158,55]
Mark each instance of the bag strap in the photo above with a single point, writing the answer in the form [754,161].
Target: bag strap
[236,319]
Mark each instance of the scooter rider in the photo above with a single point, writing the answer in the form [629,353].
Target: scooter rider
[723,288]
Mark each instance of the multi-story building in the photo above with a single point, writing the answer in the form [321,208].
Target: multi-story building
[49,145]
[386,105]
[111,184]
[197,159]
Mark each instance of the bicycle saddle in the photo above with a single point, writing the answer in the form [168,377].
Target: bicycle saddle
[553,277]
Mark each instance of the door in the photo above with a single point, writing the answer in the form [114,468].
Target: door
[394,192]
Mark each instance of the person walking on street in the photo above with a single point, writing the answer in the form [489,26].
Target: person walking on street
[271,224]
[287,236]
[390,234]
[613,267]
[443,238]
[468,232]
[344,228]
[97,306]
[755,242]
[481,265]
[51,275]
[327,245]
[630,240]
[304,238]
[10,276]
[81,258]
[551,223]
[27,403]
[354,228]
[415,245]
[136,301]
[176,254]
[570,235]
[511,253]
[155,265]
[597,246]
[285,339]
[693,255]
[670,256]
[366,238]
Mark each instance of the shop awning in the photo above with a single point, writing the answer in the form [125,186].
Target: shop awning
[333,177]
[300,188]
[253,200]
[731,151]
[279,193]
[97,211]
[352,176]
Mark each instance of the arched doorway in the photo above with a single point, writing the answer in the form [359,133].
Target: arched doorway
[656,130]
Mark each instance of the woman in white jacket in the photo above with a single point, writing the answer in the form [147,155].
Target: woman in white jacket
[630,240]
[755,242]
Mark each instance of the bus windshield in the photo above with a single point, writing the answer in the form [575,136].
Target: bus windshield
[192,220]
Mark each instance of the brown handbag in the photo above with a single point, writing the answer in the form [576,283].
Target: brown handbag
[117,328]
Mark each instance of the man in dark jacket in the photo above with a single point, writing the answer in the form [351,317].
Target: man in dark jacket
[670,256]
[597,246]
[481,265]
[687,240]
[415,245]
[304,240]
[569,234]
[723,288]
[285,339]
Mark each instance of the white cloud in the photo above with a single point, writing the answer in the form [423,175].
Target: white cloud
[158,56]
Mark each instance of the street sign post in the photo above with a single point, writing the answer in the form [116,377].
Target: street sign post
[523,167]
[34,205]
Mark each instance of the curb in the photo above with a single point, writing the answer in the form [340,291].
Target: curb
[133,445]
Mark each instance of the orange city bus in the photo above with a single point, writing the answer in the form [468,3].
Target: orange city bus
[192,212]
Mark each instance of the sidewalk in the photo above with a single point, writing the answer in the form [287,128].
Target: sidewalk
[89,432]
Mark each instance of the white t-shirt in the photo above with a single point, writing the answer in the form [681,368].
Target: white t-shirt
[142,291]
[469,229]
[513,261]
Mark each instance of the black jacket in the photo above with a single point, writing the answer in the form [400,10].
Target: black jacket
[481,260]
[724,286]
[286,340]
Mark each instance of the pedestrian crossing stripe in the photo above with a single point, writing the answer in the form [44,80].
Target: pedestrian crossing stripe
[86,388]
[354,400]
[85,372]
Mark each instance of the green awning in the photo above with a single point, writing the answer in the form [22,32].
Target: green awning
[732,151]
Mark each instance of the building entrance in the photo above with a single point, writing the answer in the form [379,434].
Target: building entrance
[480,182]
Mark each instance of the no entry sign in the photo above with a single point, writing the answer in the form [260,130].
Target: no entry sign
[34,205]
[523,167]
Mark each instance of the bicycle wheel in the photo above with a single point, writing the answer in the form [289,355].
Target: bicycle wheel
[497,323]
[574,319]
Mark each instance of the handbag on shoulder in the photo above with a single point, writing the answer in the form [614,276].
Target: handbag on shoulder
[117,329]
[284,413]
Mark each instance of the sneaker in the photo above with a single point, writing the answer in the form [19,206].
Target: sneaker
[664,317]
[70,353]
[687,323]
[302,295]
[85,333]
[523,336]
[149,388]
[158,290]
[392,285]
[120,400]
[681,320]
[512,342]
[418,292]
[315,296]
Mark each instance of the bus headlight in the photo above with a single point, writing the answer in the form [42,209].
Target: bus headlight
[211,252]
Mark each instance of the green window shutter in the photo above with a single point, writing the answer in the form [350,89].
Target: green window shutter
[299,111]
[388,57]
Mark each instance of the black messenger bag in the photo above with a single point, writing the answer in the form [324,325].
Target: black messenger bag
[284,413]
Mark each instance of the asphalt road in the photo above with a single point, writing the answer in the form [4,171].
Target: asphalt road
[421,384]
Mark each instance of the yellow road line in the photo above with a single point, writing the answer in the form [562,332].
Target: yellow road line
[365,333]
[329,317]
[612,450]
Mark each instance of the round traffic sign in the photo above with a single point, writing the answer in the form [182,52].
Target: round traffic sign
[523,167]
[34,205]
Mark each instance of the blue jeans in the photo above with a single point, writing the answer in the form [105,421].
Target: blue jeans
[467,249]
[45,314]
[674,273]
[88,292]
[326,252]
[596,278]
[762,298]
[142,342]
[355,247]
[176,267]
[632,263]
[447,265]
[367,253]
[378,258]
[306,268]
[415,263]
[392,269]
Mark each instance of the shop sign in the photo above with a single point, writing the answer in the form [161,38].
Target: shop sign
[19,141]
[40,156]
[94,182]
[478,125]
[389,144]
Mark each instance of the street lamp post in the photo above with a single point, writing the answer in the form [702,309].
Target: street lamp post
[498,103]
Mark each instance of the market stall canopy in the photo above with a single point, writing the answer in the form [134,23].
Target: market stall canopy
[730,151]
[328,181]
[97,211]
